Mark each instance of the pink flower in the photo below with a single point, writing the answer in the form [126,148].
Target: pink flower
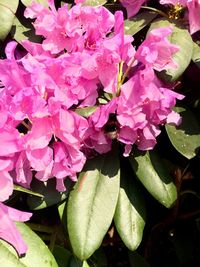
[40,134]
[6,183]
[67,162]
[174,2]
[8,229]
[97,138]
[194,18]
[69,29]
[23,173]
[193,12]
[79,1]
[3,111]
[41,160]
[69,127]
[74,85]
[157,51]
[116,49]
[143,105]
[10,141]
[132,6]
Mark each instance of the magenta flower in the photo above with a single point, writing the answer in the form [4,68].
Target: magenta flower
[157,51]
[132,6]
[70,29]
[41,160]
[98,138]
[143,105]
[174,2]
[193,7]
[22,174]
[6,182]
[67,162]
[194,18]
[10,141]
[8,229]
[81,62]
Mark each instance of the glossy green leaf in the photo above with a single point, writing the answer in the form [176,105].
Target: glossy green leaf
[62,256]
[74,262]
[86,112]
[7,14]
[29,2]
[62,211]
[94,2]
[92,203]
[196,54]
[23,30]
[9,259]
[130,212]
[154,175]
[38,253]
[183,40]
[27,191]
[48,190]
[186,137]
[138,22]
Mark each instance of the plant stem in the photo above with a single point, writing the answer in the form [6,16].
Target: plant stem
[127,71]
[156,10]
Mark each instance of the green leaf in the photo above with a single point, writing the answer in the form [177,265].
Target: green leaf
[196,54]
[94,2]
[27,191]
[38,253]
[183,40]
[138,22]
[186,137]
[136,260]
[61,210]
[29,2]
[130,212]
[23,30]
[62,256]
[154,175]
[48,190]
[74,262]
[92,203]
[7,14]
[99,258]
[9,259]
[86,112]
[65,258]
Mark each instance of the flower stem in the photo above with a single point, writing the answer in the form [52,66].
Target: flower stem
[156,10]
[127,71]
[119,78]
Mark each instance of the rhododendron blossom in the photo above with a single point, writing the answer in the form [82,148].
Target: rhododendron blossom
[156,51]
[193,12]
[132,6]
[44,133]
[85,60]
[8,229]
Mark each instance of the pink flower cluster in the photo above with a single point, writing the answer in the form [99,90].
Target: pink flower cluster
[193,7]
[84,59]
